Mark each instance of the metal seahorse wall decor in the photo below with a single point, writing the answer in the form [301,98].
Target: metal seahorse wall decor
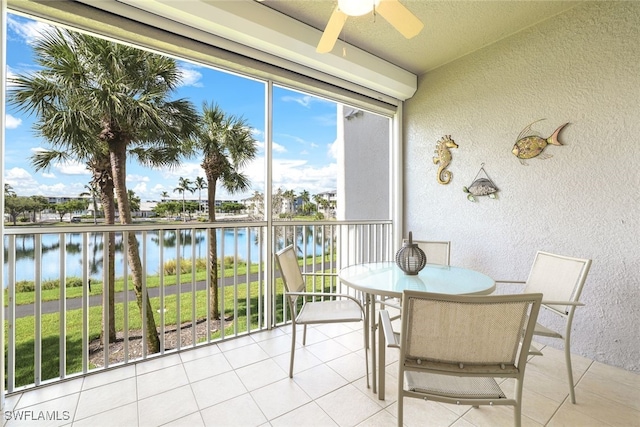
[443,158]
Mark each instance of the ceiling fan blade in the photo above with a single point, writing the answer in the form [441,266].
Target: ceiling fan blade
[400,17]
[331,31]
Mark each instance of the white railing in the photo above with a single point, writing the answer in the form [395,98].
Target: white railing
[53,334]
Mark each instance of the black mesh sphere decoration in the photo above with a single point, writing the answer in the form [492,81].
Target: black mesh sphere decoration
[410,258]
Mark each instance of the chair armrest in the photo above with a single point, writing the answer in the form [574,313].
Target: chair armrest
[389,336]
[574,303]
[326,294]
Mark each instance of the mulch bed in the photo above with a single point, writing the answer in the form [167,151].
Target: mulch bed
[171,336]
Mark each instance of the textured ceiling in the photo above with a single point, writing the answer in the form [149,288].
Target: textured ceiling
[452,28]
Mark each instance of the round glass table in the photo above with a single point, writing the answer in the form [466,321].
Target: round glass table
[386,279]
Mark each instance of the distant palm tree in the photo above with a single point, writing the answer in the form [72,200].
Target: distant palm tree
[184,185]
[94,193]
[134,201]
[8,191]
[200,184]
[290,196]
[227,146]
[91,91]
[305,197]
[164,195]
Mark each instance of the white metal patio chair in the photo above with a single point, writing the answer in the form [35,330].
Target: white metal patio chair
[560,279]
[437,252]
[315,307]
[452,347]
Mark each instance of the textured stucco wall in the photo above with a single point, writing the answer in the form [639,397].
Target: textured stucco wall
[581,67]
[363,165]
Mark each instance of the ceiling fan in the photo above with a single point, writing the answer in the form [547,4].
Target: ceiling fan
[392,10]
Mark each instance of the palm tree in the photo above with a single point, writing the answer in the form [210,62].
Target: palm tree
[93,192]
[134,201]
[227,146]
[97,162]
[317,198]
[164,195]
[290,196]
[184,185]
[200,184]
[305,197]
[89,91]
[8,191]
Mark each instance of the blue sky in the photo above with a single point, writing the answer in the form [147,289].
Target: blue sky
[304,133]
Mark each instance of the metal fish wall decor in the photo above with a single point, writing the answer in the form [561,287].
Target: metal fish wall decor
[529,145]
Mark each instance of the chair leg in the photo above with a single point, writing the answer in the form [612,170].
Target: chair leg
[381,362]
[304,334]
[366,354]
[517,414]
[567,356]
[293,348]
[400,410]
[517,409]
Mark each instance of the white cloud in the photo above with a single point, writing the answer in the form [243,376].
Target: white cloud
[137,178]
[333,149]
[16,174]
[188,170]
[303,100]
[48,175]
[71,167]
[10,75]
[21,181]
[140,190]
[298,175]
[190,76]
[275,147]
[29,31]
[12,122]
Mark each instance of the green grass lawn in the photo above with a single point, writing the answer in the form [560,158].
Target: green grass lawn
[246,301]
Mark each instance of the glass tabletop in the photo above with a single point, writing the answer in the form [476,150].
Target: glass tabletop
[386,279]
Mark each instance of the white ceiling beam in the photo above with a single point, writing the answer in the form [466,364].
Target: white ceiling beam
[252,24]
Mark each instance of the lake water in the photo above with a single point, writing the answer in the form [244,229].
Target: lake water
[25,266]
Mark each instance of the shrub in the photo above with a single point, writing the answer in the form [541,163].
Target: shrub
[29,286]
[170,267]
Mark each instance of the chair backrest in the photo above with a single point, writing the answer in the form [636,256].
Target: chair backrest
[466,334]
[436,252]
[558,278]
[288,264]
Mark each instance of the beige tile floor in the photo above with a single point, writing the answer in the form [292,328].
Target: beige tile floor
[244,382]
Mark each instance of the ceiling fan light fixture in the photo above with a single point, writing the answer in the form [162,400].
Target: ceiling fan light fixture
[357,7]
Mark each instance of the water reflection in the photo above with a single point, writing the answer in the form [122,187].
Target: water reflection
[243,243]
[50,246]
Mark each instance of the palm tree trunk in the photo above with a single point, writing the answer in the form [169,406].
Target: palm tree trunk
[117,153]
[108,203]
[214,310]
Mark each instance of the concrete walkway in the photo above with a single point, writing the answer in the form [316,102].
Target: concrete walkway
[96,300]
